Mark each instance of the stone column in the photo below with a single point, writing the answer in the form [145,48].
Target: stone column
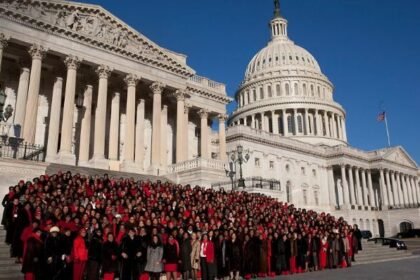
[395,188]
[186,129]
[364,186]
[29,127]
[180,125]
[390,192]
[333,126]
[295,119]
[129,140]
[54,124]
[327,125]
[384,193]
[203,113]
[85,127]
[358,187]
[351,186]
[416,189]
[263,124]
[3,45]
[400,191]
[164,137]
[306,118]
[253,121]
[98,160]
[345,185]
[139,156]
[157,89]
[275,122]
[65,154]
[370,187]
[408,190]
[222,137]
[114,128]
[285,124]
[403,189]
[340,128]
[22,94]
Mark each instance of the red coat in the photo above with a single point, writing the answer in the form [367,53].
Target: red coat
[80,252]
[210,252]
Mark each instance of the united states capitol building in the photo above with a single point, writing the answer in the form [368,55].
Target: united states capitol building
[87,90]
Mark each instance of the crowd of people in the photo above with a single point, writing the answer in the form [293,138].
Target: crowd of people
[77,227]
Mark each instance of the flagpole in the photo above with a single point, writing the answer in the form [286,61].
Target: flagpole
[387,131]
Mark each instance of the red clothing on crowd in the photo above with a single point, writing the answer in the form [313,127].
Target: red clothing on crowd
[80,256]
[323,255]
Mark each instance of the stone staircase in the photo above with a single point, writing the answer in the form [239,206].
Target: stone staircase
[375,253]
[8,269]
[54,168]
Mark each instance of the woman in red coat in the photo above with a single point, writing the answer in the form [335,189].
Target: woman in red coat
[80,255]
[323,253]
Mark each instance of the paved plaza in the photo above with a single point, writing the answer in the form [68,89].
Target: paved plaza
[401,270]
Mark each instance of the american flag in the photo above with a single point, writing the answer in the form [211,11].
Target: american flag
[381,117]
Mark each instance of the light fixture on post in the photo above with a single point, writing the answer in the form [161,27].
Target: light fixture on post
[79,100]
[240,156]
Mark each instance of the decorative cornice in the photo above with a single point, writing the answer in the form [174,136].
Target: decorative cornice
[94,26]
[203,113]
[180,94]
[3,41]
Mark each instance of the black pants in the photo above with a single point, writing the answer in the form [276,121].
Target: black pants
[204,269]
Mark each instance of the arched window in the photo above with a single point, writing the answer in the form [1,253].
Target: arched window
[305,196]
[254,95]
[367,225]
[278,90]
[304,90]
[261,93]
[300,124]
[296,89]
[312,90]
[316,197]
[287,87]
[361,225]
[270,94]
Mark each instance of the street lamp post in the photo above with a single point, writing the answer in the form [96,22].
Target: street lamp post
[240,156]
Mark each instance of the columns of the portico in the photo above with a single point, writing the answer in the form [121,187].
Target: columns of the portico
[85,127]
[395,189]
[186,129]
[3,45]
[54,123]
[180,125]
[139,155]
[275,122]
[389,188]
[114,127]
[29,127]
[295,120]
[403,190]
[22,94]
[417,189]
[364,187]
[331,186]
[345,185]
[383,192]
[400,191]
[412,192]
[351,186]
[65,154]
[340,127]
[222,137]
[326,124]
[333,126]
[408,188]
[263,122]
[130,129]
[358,186]
[98,159]
[164,137]
[157,89]
[370,187]
[285,124]
[203,113]
[318,123]
[253,121]
[344,129]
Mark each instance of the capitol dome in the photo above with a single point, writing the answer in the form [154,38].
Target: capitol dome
[285,92]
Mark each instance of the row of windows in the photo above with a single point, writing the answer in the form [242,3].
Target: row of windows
[271,164]
[257,94]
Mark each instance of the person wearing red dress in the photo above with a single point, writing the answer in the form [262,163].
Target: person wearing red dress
[33,256]
[323,252]
[80,255]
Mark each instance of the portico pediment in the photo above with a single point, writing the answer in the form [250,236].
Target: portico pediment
[93,25]
[398,155]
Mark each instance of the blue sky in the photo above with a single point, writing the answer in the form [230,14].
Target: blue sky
[369,49]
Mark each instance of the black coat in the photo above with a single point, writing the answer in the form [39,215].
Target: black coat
[32,261]
[170,254]
[109,251]
[235,255]
[22,222]
[53,250]
[95,249]
[185,255]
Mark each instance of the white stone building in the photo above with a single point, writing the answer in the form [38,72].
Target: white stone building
[90,91]
[296,137]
